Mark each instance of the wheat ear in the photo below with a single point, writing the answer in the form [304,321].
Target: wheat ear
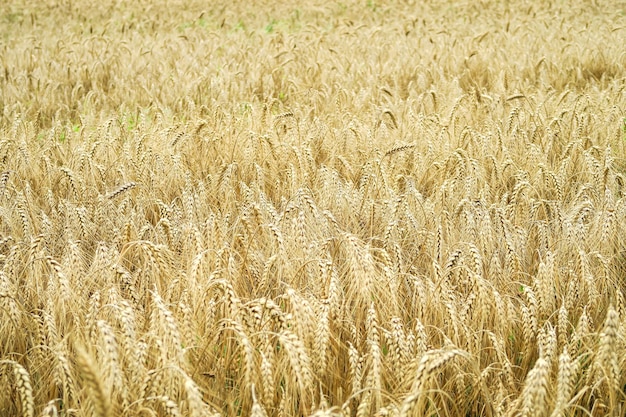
[23,386]
[429,363]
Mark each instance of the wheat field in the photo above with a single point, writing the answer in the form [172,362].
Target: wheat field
[355,208]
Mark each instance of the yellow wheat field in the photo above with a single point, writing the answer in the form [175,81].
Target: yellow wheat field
[326,208]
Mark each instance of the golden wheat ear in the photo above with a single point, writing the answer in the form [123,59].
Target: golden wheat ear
[22,385]
[4,179]
[98,393]
[121,190]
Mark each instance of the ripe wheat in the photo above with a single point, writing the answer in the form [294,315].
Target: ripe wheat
[329,209]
